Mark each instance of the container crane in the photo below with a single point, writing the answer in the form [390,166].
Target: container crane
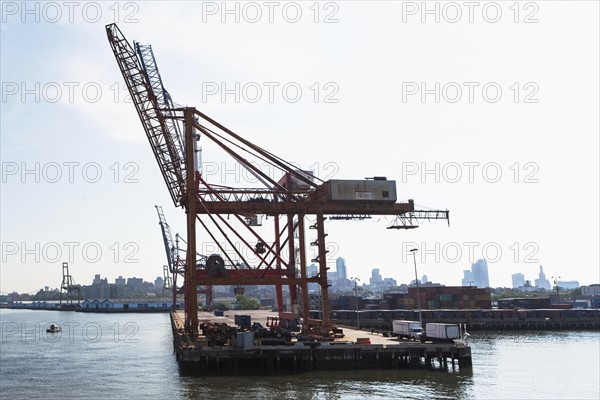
[168,283]
[296,200]
[176,265]
[68,287]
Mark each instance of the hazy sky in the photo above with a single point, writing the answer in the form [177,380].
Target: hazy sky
[488,109]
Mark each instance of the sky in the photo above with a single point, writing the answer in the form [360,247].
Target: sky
[487,109]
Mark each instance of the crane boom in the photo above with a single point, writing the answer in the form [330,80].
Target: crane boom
[150,114]
[165,102]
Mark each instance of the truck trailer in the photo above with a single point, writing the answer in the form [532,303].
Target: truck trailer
[438,332]
[407,329]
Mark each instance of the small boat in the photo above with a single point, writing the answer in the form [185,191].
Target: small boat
[54,328]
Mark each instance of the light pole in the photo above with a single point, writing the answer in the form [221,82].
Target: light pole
[320,302]
[414,252]
[356,299]
[556,278]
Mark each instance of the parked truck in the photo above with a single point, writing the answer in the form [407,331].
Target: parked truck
[438,332]
[407,329]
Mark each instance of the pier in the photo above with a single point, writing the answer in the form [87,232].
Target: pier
[479,320]
[340,354]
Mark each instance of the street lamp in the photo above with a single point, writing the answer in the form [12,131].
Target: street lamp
[414,252]
[556,278]
[356,299]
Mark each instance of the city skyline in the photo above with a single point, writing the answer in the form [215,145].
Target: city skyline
[340,272]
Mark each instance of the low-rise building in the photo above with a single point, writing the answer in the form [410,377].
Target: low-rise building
[591,290]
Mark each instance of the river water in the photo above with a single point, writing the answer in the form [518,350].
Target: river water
[124,356]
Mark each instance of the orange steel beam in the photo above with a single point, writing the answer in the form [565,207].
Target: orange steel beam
[303,274]
[323,269]
[190,199]
[233,274]
[291,267]
[307,208]
[272,280]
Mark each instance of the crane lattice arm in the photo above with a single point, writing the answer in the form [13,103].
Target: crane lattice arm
[146,103]
[163,98]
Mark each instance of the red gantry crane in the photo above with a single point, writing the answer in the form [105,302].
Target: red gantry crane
[297,200]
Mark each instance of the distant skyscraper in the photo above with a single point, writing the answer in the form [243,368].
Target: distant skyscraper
[518,280]
[480,274]
[542,282]
[340,266]
[331,277]
[467,279]
[312,270]
[389,282]
[376,278]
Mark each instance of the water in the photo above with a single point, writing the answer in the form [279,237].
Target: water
[130,356]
